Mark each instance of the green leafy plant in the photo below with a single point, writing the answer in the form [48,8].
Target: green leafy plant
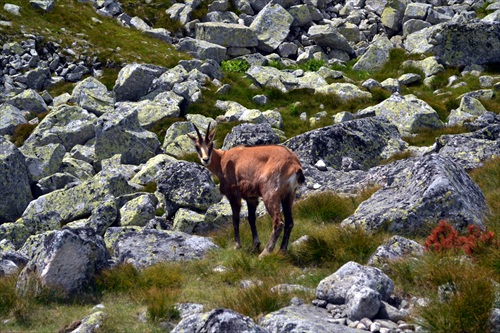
[235,65]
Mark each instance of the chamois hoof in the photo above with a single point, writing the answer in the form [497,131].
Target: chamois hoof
[263,254]
[237,246]
[256,248]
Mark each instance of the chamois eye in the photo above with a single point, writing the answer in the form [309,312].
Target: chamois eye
[198,149]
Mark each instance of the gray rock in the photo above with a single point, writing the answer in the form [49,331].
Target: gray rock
[392,16]
[28,100]
[188,185]
[91,323]
[149,172]
[430,66]
[56,181]
[67,125]
[414,25]
[218,320]
[43,161]
[408,113]
[134,81]
[237,112]
[495,320]
[303,318]
[470,150]
[418,194]
[149,112]
[301,15]
[138,211]
[458,44]
[190,222]
[350,278]
[366,141]
[120,133]
[362,302]
[389,312]
[93,96]
[345,91]
[272,26]
[55,209]
[146,247]
[395,248]
[64,261]
[14,183]
[202,49]
[159,33]
[376,55]
[328,36]
[13,9]
[10,118]
[251,135]
[45,5]
[226,34]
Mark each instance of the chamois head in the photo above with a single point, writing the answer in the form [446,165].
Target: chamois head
[204,146]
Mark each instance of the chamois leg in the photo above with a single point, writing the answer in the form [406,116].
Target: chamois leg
[273,207]
[252,207]
[236,208]
[287,204]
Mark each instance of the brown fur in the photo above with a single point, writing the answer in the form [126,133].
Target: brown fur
[252,172]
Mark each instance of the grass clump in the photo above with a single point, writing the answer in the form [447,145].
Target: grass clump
[460,294]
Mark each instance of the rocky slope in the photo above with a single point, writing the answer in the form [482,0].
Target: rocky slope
[77,187]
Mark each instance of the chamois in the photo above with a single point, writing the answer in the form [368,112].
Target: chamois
[271,172]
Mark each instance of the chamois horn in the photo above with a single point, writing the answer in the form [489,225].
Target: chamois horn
[208,131]
[198,132]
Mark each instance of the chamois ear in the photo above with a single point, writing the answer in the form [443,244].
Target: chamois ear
[192,137]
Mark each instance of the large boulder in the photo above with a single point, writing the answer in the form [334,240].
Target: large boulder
[272,26]
[93,96]
[418,194]
[29,100]
[10,118]
[218,320]
[119,132]
[64,261]
[351,277]
[365,141]
[226,34]
[202,49]
[146,247]
[134,81]
[14,182]
[43,161]
[55,209]
[149,112]
[138,211]
[68,125]
[250,135]
[397,247]
[188,185]
[470,150]
[234,111]
[459,43]
[326,35]
[376,55]
[409,113]
[303,318]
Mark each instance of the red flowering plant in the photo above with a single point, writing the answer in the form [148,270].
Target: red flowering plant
[445,238]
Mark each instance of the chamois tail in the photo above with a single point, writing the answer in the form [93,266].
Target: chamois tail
[301,179]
